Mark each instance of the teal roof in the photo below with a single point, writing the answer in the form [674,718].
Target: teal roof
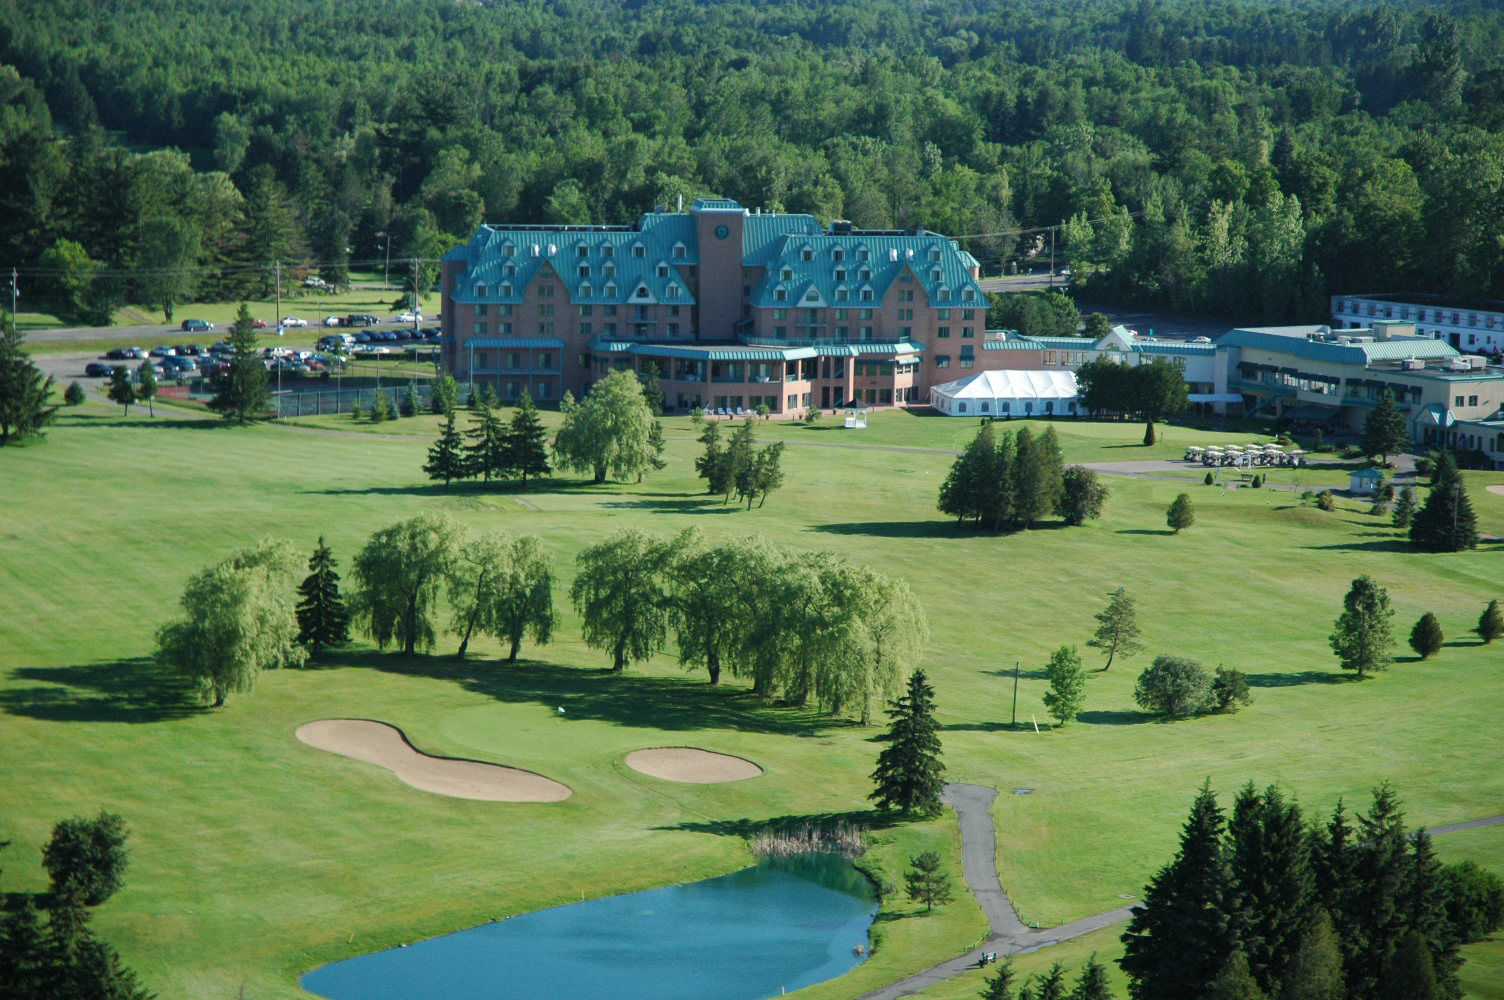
[721,352]
[1174,347]
[1016,344]
[716,205]
[1066,343]
[1297,340]
[1367,474]
[552,343]
[857,269]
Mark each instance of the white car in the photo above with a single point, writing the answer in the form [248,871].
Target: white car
[408,317]
[370,349]
[332,321]
[293,321]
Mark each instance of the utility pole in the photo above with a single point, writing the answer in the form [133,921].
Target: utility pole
[14,321]
[414,263]
[386,245]
[1052,257]
[1015,694]
[279,308]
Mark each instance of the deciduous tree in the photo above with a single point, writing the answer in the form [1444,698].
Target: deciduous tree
[1067,691]
[608,433]
[619,592]
[398,576]
[908,775]
[503,586]
[86,858]
[239,620]
[1361,637]
[1082,496]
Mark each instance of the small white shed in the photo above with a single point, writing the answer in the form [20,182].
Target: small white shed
[1365,481]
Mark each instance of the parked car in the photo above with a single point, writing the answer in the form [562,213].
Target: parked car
[403,334]
[409,317]
[333,321]
[293,321]
[98,369]
[160,352]
[360,319]
[135,352]
[197,325]
[258,324]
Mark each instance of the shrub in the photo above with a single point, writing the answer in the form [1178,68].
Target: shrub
[1474,900]
[1490,623]
[1426,637]
[1306,496]
[1173,685]
[1318,441]
[1325,500]
[380,408]
[1229,689]
[74,395]
[1425,465]
[812,415]
[1258,481]
[409,405]
[1210,479]
[356,413]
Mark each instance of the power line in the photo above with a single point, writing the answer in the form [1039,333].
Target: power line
[205,269]
[1046,229]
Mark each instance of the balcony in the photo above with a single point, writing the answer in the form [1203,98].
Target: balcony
[815,341]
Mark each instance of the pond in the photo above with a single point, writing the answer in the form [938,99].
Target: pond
[776,927]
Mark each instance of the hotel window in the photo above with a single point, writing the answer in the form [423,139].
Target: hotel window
[1458,402]
[480,310]
[942,314]
[662,270]
[812,295]
[480,291]
[968,331]
[542,390]
[865,274]
[609,270]
[608,250]
[585,329]
[966,359]
[610,290]
[545,291]
[673,310]
[585,310]
[672,292]
[968,314]
[545,360]
[673,329]
[842,332]
[866,314]
[907,295]
[838,254]
[545,329]
[842,295]
[509,251]
[1049,357]
[610,330]
[934,254]
[506,288]
[582,251]
[780,295]
[840,314]
[546,310]
[584,270]
[942,332]
[934,274]
[969,294]
[806,254]
[866,332]
[514,359]
[863,254]
[639,251]
[906,314]
[1472,401]
[780,331]
[788,274]
[840,274]
[480,329]
[679,251]
[942,361]
[780,314]
[506,329]
[906,332]
[866,295]
[610,310]
[811,315]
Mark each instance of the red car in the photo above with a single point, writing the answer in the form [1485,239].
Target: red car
[258,324]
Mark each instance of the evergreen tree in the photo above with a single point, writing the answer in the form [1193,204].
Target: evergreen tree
[926,883]
[1409,973]
[486,455]
[656,447]
[242,391]
[74,394]
[998,495]
[1380,879]
[120,389]
[768,474]
[1234,981]
[1182,513]
[741,460]
[1446,523]
[26,970]
[1361,636]
[1426,637]
[1179,937]
[146,386]
[1038,476]
[527,450]
[712,465]
[323,619]
[1384,430]
[1315,970]
[1423,904]
[381,407]
[1000,986]
[23,389]
[908,772]
[409,405]
[1051,985]
[86,858]
[445,394]
[1093,982]
[1067,691]
[1082,496]
[446,456]
[1490,623]
[1117,628]
[652,391]
[971,478]
[1272,882]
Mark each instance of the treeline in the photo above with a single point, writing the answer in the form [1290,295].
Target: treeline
[1013,481]
[1261,904]
[803,627]
[1232,157]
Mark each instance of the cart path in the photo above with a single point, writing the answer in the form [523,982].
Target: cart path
[1009,935]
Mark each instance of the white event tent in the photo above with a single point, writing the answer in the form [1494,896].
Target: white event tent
[1008,394]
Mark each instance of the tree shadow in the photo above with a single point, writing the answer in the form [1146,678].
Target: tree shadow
[1463,643]
[1116,718]
[904,529]
[680,504]
[988,727]
[669,703]
[1388,545]
[1295,678]
[1035,674]
[1146,531]
[173,422]
[748,827]
[127,690]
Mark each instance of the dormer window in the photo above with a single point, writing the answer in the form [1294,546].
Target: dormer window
[969,295]
[480,291]
[639,251]
[788,274]
[679,251]
[934,255]
[842,295]
[865,274]
[663,270]
[893,253]
[838,254]
[806,254]
[863,254]
[935,274]
[811,296]
[840,274]
[866,295]
[607,250]
[780,295]
[510,270]
[943,294]
[585,290]
[508,250]
[506,288]
[609,269]
[584,270]
[610,290]
[537,251]
[671,292]
[642,291]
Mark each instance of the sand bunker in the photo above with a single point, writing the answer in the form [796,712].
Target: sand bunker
[1497,488]
[691,764]
[379,743]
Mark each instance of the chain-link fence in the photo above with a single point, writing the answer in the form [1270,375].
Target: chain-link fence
[339,400]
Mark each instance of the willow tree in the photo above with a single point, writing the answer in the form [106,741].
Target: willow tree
[619,594]
[609,433]
[502,585]
[238,620]
[711,621]
[398,577]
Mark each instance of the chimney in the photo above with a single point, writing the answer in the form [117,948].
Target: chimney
[681,204]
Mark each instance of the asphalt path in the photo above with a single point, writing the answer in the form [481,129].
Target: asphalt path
[1009,935]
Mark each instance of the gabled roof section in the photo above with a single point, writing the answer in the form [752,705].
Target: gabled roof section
[525,250]
[945,283]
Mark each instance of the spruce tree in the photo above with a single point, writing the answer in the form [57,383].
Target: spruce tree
[381,407]
[963,493]
[1446,522]
[741,459]
[1409,973]
[526,441]
[1051,985]
[908,775]
[1000,986]
[1093,983]
[1234,981]
[120,389]
[323,619]
[409,405]
[1380,878]
[446,457]
[1179,937]
[444,395]
[997,496]
[1315,970]
[242,391]
[486,455]
[1426,637]
[1182,513]
[1490,623]
[711,465]
[1038,477]
[146,386]
[24,390]
[656,447]
[1384,430]
[1273,886]
[926,883]
[74,394]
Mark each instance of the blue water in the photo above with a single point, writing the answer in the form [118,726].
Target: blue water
[781,925]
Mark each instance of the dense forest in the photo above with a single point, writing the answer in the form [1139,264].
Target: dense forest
[1236,157]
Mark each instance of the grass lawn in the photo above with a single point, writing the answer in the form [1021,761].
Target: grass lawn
[255,858]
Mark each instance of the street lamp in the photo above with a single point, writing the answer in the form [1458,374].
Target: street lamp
[386,245]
